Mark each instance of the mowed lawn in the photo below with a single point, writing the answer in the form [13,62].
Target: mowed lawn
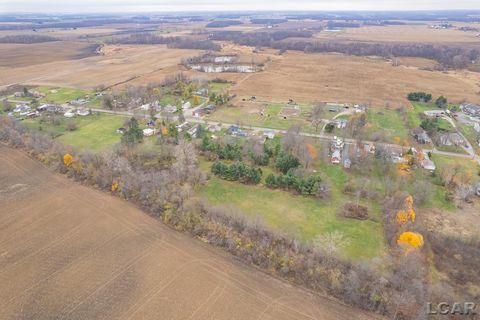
[270,119]
[389,123]
[64,95]
[465,165]
[93,133]
[303,217]
[414,113]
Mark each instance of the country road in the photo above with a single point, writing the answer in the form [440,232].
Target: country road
[321,136]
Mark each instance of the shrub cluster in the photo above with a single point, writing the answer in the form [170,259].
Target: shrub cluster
[310,185]
[237,172]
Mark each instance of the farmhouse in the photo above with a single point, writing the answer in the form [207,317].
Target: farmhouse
[427,163]
[471,109]
[170,109]
[148,132]
[69,114]
[449,139]
[186,105]
[214,128]
[193,131]
[78,102]
[43,107]
[182,126]
[83,112]
[203,111]
[202,92]
[236,131]
[270,134]
[22,109]
[421,136]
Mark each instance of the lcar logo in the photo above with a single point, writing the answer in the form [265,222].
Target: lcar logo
[457,308]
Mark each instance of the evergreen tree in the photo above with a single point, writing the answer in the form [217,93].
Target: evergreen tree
[133,134]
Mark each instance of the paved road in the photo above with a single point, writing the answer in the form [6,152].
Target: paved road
[306,134]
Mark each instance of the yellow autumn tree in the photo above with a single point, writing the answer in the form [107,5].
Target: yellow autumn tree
[67,159]
[164,131]
[407,214]
[411,240]
[397,140]
[196,100]
[405,165]
[114,185]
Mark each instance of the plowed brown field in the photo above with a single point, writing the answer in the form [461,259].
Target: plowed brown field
[71,252]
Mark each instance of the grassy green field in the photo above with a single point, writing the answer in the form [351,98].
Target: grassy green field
[471,135]
[63,95]
[94,133]
[216,87]
[389,123]
[465,165]
[303,217]
[270,119]
[413,114]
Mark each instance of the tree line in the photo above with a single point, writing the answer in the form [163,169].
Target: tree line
[173,42]
[27,39]
[449,56]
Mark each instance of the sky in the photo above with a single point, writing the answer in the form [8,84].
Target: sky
[101,6]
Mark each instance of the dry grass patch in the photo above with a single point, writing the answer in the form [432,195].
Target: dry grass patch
[341,78]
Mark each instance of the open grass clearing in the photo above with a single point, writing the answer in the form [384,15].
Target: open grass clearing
[94,133]
[271,118]
[386,123]
[303,217]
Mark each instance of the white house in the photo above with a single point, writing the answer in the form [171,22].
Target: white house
[269,134]
[170,109]
[83,112]
[145,107]
[186,105]
[69,114]
[148,132]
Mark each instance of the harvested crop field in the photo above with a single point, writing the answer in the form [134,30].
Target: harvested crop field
[117,65]
[401,33]
[67,251]
[22,55]
[341,78]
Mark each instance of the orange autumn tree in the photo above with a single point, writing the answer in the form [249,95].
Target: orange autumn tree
[67,159]
[164,131]
[312,151]
[407,213]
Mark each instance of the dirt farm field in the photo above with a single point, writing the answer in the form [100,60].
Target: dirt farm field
[67,251]
[118,64]
[21,55]
[340,78]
